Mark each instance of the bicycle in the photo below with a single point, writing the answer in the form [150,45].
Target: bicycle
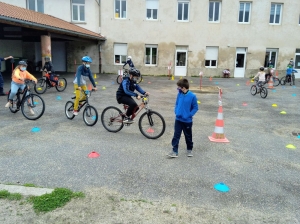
[45,83]
[126,74]
[262,90]
[151,124]
[35,103]
[276,81]
[90,114]
[288,79]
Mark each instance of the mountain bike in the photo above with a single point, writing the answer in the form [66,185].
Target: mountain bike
[90,114]
[124,74]
[32,105]
[259,89]
[151,124]
[45,83]
[288,79]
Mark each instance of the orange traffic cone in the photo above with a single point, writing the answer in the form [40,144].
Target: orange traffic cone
[248,83]
[270,83]
[276,74]
[218,135]
[210,78]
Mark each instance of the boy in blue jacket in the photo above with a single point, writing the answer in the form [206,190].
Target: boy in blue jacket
[185,108]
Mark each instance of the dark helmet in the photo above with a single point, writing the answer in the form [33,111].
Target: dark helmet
[86,59]
[262,68]
[134,72]
[22,63]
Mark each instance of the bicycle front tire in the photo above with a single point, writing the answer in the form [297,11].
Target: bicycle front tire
[263,92]
[69,110]
[276,82]
[62,84]
[90,115]
[119,79]
[41,86]
[152,125]
[14,108]
[282,81]
[33,107]
[111,119]
[253,90]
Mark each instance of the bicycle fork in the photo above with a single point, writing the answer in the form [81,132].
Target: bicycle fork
[149,113]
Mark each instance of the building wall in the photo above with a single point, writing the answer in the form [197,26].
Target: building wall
[198,33]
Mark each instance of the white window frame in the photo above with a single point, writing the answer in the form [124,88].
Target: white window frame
[115,8]
[214,13]
[36,6]
[182,13]
[280,15]
[152,46]
[120,50]
[211,54]
[78,5]
[244,11]
[271,50]
[152,5]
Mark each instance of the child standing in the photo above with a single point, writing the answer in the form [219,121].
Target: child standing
[186,107]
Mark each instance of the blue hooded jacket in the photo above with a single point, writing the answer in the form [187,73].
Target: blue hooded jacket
[186,106]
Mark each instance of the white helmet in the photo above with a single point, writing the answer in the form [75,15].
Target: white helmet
[129,57]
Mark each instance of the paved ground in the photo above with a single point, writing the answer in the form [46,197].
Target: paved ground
[263,175]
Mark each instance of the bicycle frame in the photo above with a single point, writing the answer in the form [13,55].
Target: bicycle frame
[141,106]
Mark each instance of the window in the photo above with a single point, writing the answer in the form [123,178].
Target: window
[297,59]
[183,11]
[152,8]
[275,14]
[120,52]
[214,11]
[120,9]
[244,14]
[151,55]
[211,57]
[36,5]
[271,54]
[78,10]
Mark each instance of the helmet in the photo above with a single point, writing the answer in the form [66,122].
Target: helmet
[86,59]
[129,57]
[134,72]
[22,63]
[262,68]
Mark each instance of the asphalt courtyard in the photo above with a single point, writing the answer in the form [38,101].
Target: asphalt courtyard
[258,167]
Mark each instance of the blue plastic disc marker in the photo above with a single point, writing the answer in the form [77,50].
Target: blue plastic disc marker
[283,87]
[222,187]
[58,98]
[298,136]
[35,103]
[112,82]
[294,86]
[216,83]
[94,117]
[294,94]
[35,129]
[274,90]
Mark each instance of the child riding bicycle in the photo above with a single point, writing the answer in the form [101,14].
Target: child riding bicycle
[129,62]
[82,72]
[48,68]
[126,91]
[261,77]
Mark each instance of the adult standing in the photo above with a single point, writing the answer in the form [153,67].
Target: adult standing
[1,77]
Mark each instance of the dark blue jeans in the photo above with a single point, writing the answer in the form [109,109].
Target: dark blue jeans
[187,131]
[1,83]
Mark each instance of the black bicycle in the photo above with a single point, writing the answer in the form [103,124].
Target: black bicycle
[45,83]
[90,114]
[126,74]
[259,89]
[32,105]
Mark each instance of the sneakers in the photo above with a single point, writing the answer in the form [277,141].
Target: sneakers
[189,153]
[9,104]
[127,120]
[31,111]
[173,155]
[75,112]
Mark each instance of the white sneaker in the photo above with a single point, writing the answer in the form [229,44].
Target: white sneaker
[75,112]
[31,111]
[9,104]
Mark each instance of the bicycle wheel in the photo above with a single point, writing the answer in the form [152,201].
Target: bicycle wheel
[119,79]
[33,107]
[276,82]
[90,115]
[41,86]
[152,125]
[263,92]
[111,119]
[62,84]
[253,90]
[282,81]
[69,110]
[15,107]
[140,80]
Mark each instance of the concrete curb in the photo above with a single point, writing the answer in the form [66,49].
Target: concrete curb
[26,191]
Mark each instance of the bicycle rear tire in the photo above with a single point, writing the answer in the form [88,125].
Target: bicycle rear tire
[41,86]
[263,92]
[111,119]
[33,103]
[276,82]
[90,115]
[62,84]
[69,110]
[253,90]
[283,81]
[119,79]
[152,125]
[14,108]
